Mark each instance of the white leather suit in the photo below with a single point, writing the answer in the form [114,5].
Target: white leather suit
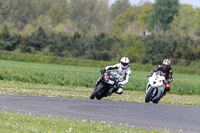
[124,75]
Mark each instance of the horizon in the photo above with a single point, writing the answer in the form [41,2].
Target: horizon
[194,3]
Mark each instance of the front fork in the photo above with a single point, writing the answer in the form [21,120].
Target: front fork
[147,88]
[98,81]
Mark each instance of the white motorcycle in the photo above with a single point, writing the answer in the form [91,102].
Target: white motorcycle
[155,87]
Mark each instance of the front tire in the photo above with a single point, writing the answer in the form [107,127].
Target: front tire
[96,91]
[149,95]
[99,97]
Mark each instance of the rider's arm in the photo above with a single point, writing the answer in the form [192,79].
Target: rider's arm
[109,68]
[126,77]
[112,67]
[170,79]
[155,70]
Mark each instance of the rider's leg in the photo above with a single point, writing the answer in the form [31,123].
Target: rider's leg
[119,90]
[167,88]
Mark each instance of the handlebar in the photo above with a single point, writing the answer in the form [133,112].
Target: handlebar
[102,71]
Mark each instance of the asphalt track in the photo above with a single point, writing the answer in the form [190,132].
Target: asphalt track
[175,118]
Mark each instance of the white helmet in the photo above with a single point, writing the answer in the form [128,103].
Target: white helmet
[166,64]
[124,62]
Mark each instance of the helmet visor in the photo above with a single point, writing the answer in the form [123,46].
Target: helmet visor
[165,66]
[124,64]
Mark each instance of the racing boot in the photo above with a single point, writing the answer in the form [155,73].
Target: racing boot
[118,90]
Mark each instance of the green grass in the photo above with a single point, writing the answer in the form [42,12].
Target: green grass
[77,82]
[40,58]
[76,76]
[26,123]
[16,87]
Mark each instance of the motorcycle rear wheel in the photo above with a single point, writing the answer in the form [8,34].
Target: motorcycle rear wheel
[96,91]
[155,101]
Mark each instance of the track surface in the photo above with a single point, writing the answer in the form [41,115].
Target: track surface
[139,115]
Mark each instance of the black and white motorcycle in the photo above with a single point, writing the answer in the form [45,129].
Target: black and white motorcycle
[105,85]
[155,87]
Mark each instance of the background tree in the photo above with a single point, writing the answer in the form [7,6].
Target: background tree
[164,13]
[101,20]
[119,7]
[82,12]
[134,19]
[59,45]
[158,48]
[91,29]
[35,42]
[133,48]
[186,22]
[8,41]
[124,19]
[56,13]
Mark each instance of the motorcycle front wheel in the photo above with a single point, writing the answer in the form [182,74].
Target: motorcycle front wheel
[99,97]
[96,91]
[148,97]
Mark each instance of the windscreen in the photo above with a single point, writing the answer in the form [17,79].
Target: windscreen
[113,74]
[158,73]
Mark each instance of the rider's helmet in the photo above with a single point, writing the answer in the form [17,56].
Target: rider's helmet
[124,62]
[166,64]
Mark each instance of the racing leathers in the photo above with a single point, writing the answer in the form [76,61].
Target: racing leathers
[124,75]
[168,76]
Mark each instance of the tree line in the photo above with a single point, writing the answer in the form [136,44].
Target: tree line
[91,29]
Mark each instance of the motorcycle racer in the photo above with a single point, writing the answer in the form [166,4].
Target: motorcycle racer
[166,70]
[123,70]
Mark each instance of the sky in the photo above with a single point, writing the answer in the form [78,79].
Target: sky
[195,3]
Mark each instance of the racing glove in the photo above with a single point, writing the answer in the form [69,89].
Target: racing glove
[149,75]
[119,84]
[165,82]
[102,70]
[169,80]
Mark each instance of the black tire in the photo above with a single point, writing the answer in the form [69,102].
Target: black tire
[99,97]
[155,101]
[149,95]
[96,91]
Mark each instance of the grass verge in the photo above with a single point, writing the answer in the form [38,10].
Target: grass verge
[40,58]
[26,123]
[13,87]
[64,75]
